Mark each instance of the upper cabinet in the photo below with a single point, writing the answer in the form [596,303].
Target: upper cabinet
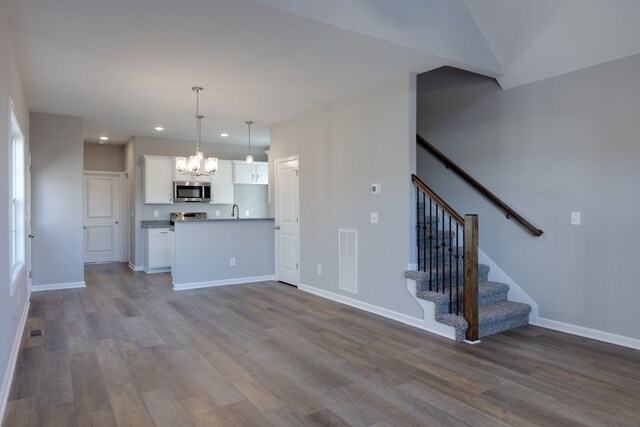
[255,173]
[222,184]
[158,179]
[183,177]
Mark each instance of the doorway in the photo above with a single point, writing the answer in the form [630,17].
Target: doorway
[103,228]
[287,220]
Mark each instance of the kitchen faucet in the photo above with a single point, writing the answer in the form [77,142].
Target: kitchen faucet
[235,208]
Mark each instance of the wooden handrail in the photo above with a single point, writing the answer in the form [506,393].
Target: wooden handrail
[510,213]
[424,187]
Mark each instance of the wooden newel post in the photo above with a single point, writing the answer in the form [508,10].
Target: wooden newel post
[471,275]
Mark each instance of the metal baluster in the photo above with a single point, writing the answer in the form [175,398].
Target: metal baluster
[418,225]
[457,274]
[437,248]
[430,245]
[444,247]
[424,232]
[450,270]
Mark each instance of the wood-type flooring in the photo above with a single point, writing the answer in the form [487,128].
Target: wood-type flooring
[129,351]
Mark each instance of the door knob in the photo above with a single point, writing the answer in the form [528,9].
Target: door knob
[84,227]
[31,236]
[117,222]
[277,227]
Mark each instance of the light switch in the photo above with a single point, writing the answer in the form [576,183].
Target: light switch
[156,214]
[375,189]
[217,212]
[374,217]
[575,218]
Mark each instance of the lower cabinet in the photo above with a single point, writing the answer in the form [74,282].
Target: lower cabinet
[158,250]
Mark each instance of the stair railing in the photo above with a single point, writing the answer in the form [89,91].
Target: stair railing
[509,212]
[436,234]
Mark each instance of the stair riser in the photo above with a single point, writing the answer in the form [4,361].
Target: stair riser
[483,300]
[503,325]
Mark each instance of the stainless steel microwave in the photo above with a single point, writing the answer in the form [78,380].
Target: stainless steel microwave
[191,191]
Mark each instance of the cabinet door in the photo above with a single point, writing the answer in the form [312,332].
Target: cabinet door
[262,173]
[243,173]
[158,180]
[160,249]
[222,184]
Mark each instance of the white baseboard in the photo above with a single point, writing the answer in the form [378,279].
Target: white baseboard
[225,282]
[56,286]
[13,358]
[389,314]
[594,334]
[136,267]
[157,270]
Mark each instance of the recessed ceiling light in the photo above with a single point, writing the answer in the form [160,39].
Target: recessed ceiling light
[159,128]
[224,134]
[104,138]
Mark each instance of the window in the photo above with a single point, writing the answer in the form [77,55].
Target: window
[17,237]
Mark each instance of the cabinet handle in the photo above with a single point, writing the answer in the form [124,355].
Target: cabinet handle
[257,178]
[253,177]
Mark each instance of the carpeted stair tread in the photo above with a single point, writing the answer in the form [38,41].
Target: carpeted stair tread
[486,290]
[501,311]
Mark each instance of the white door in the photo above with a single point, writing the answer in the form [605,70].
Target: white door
[101,217]
[287,226]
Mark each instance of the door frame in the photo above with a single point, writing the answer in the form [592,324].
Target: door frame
[275,198]
[123,181]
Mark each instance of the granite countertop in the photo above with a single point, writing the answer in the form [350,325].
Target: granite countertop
[228,219]
[156,224]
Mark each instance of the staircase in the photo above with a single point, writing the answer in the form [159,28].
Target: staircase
[450,276]
[495,312]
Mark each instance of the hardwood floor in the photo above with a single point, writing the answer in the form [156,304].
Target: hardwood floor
[129,351]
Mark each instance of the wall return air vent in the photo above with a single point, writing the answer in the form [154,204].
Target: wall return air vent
[348,260]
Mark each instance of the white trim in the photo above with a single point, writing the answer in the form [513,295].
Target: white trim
[224,282]
[13,358]
[594,334]
[412,267]
[136,267]
[56,286]
[516,293]
[384,312]
[157,270]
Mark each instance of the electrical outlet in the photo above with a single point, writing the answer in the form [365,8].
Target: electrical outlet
[246,213]
[374,217]
[232,262]
[217,212]
[319,269]
[575,218]
[156,214]
[375,188]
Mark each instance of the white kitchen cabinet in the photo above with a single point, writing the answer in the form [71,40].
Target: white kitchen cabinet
[255,173]
[184,177]
[158,180]
[158,251]
[222,184]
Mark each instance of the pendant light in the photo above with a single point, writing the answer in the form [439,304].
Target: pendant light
[193,165]
[249,158]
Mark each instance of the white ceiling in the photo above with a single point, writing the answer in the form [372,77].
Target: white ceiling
[126,66]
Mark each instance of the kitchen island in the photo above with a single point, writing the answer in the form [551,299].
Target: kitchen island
[222,251]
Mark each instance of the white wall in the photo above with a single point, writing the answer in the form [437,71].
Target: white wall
[57,195]
[343,148]
[251,197]
[12,307]
[568,143]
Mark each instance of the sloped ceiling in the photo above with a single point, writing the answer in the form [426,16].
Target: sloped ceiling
[537,39]
[126,66]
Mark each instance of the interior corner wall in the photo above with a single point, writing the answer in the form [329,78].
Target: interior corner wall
[56,203]
[12,306]
[569,143]
[104,157]
[130,169]
[343,148]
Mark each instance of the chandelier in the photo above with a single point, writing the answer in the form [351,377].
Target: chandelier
[194,164]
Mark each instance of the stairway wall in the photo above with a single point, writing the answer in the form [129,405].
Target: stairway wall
[568,143]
